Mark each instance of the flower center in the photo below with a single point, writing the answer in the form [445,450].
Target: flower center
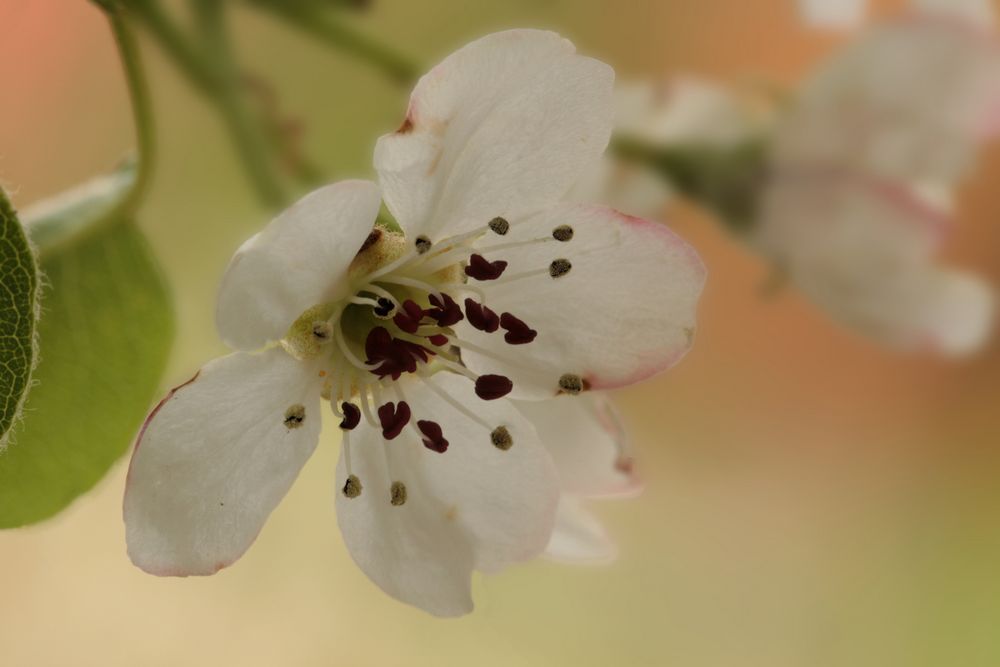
[398,322]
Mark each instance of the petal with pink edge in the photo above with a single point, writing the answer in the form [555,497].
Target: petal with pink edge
[214,459]
[862,251]
[298,261]
[586,439]
[623,312]
[504,125]
[472,507]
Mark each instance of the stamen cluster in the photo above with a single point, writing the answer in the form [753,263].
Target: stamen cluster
[412,312]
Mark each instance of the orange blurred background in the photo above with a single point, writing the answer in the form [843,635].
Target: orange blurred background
[811,499]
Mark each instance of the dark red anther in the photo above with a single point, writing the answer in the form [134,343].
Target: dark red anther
[384,307]
[378,344]
[518,333]
[481,317]
[393,417]
[445,311]
[433,438]
[492,387]
[481,268]
[409,316]
[417,351]
[352,416]
[438,339]
[394,356]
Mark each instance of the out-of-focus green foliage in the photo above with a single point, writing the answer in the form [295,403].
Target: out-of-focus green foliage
[18,315]
[724,179]
[104,336]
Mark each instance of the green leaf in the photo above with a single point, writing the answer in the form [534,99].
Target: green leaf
[18,316]
[105,333]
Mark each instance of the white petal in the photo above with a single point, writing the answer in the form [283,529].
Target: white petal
[960,313]
[625,311]
[579,537]
[833,216]
[298,261]
[836,14]
[214,459]
[910,307]
[504,125]
[863,252]
[473,507]
[911,100]
[585,437]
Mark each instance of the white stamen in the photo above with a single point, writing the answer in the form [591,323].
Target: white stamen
[410,282]
[346,351]
[482,250]
[345,385]
[366,408]
[449,243]
[346,444]
[335,405]
[376,389]
[514,277]
[464,287]
[365,301]
[375,289]
[455,404]
[557,268]
[465,345]
[405,258]
[459,368]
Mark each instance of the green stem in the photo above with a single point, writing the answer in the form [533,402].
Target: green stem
[142,108]
[328,28]
[723,179]
[212,72]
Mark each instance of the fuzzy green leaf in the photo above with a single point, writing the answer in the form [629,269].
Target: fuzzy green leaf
[104,336]
[18,317]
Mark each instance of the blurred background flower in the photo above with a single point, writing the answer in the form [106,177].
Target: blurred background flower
[810,498]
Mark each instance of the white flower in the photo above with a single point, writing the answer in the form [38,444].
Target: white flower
[494,288]
[862,173]
[848,190]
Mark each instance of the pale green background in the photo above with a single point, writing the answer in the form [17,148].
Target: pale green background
[811,500]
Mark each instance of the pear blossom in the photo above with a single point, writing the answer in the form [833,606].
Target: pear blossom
[847,187]
[862,172]
[493,288]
